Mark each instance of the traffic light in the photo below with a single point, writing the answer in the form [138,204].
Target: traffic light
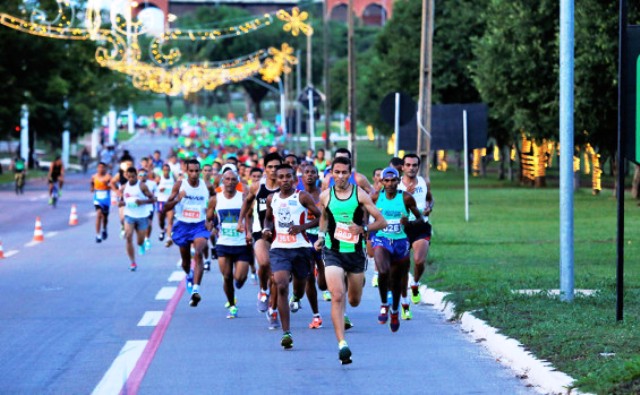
[17,128]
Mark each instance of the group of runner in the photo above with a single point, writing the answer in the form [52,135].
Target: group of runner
[306,222]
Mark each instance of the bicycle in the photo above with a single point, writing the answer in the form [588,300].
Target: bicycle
[19,181]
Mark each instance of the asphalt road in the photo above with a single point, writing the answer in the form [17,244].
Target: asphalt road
[74,320]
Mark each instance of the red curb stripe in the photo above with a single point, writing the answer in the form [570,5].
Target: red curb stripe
[135,378]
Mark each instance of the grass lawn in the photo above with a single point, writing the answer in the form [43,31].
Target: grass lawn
[512,242]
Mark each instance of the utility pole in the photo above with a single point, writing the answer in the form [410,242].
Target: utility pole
[298,105]
[325,61]
[352,84]
[424,105]
[311,126]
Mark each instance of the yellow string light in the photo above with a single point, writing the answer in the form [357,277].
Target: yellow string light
[295,22]
[442,160]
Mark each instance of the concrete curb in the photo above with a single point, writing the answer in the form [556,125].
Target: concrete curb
[541,375]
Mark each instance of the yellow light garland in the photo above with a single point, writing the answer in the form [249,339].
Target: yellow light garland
[295,21]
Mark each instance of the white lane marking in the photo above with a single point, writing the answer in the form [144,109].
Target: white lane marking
[177,276]
[166,293]
[150,318]
[116,377]
[92,214]
[11,253]
[32,243]
[33,199]
[50,234]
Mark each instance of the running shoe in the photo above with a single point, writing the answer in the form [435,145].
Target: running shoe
[326,295]
[161,236]
[189,281]
[347,323]
[406,313]
[207,265]
[133,267]
[272,317]
[294,304]
[98,239]
[394,323]
[227,305]
[263,301]
[50,201]
[383,317]
[122,231]
[287,341]
[254,279]
[233,312]
[374,280]
[316,323]
[105,235]
[141,250]
[169,243]
[415,294]
[195,299]
[147,244]
[345,353]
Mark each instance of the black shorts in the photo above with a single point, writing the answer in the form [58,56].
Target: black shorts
[258,236]
[103,208]
[418,231]
[234,253]
[293,260]
[352,262]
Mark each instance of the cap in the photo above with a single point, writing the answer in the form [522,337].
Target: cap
[229,166]
[390,170]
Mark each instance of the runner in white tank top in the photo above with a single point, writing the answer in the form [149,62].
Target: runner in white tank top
[194,213]
[135,196]
[165,185]
[419,235]
[286,219]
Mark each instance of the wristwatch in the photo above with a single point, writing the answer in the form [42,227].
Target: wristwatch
[365,229]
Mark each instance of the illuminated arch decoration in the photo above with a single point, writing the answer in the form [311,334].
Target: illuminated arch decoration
[295,22]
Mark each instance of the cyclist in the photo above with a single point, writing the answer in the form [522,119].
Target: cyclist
[19,173]
[56,175]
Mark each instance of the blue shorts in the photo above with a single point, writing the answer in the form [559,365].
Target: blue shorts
[160,206]
[138,223]
[398,249]
[234,253]
[184,233]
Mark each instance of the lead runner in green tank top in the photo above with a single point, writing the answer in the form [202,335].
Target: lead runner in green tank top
[342,228]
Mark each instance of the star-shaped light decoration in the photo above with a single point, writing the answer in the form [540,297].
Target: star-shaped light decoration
[295,21]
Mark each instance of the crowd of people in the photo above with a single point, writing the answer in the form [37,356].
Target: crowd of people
[278,219]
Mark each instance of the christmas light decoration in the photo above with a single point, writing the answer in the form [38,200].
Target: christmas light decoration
[295,22]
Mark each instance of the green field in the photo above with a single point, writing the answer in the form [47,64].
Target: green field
[512,242]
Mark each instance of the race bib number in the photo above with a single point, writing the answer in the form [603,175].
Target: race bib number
[132,205]
[342,233]
[229,230]
[393,227]
[101,195]
[192,212]
[262,206]
[285,238]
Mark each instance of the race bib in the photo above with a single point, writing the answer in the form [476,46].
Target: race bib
[101,195]
[229,230]
[342,233]
[132,205]
[262,206]
[285,238]
[192,212]
[393,227]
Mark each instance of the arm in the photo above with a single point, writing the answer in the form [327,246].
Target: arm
[370,208]
[430,201]
[325,182]
[147,193]
[307,202]
[92,186]
[267,231]
[248,202]
[324,198]
[410,204]
[363,183]
[211,212]
[174,198]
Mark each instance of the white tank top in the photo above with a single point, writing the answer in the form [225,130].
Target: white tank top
[167,184]
[131,194]
[193,207]
[419,194]
[287,212]
[228,211]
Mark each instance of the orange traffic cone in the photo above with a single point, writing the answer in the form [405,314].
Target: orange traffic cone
[73,218]
[1,251]
[37,233]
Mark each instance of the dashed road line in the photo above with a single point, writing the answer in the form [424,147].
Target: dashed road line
[116,377]
[177,276]
[166,293]
[150,318]
[10,253]
[32,243]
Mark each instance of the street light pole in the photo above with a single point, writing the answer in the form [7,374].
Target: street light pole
[352,84]
[312,126]
[424,105]
[325,55]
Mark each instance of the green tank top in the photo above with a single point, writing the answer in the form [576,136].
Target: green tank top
[392,210]
[341,214]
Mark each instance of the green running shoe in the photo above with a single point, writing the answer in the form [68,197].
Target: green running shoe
[287,341]
[415,294]
[406,312]
[347,323]
[233,312]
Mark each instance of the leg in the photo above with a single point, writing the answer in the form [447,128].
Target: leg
[311,291]
[128,235]
[420,251]
[141,234]
[199,245]
[397,273]
[226,269]
[336,285]
[240,273]
[281,280]
[382,264]
[354,285]
[99,220]
[261,249]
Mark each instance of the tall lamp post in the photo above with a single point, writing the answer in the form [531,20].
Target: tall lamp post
[352,84]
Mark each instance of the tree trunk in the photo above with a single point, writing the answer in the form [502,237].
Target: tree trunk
[502,157]
[635,184]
